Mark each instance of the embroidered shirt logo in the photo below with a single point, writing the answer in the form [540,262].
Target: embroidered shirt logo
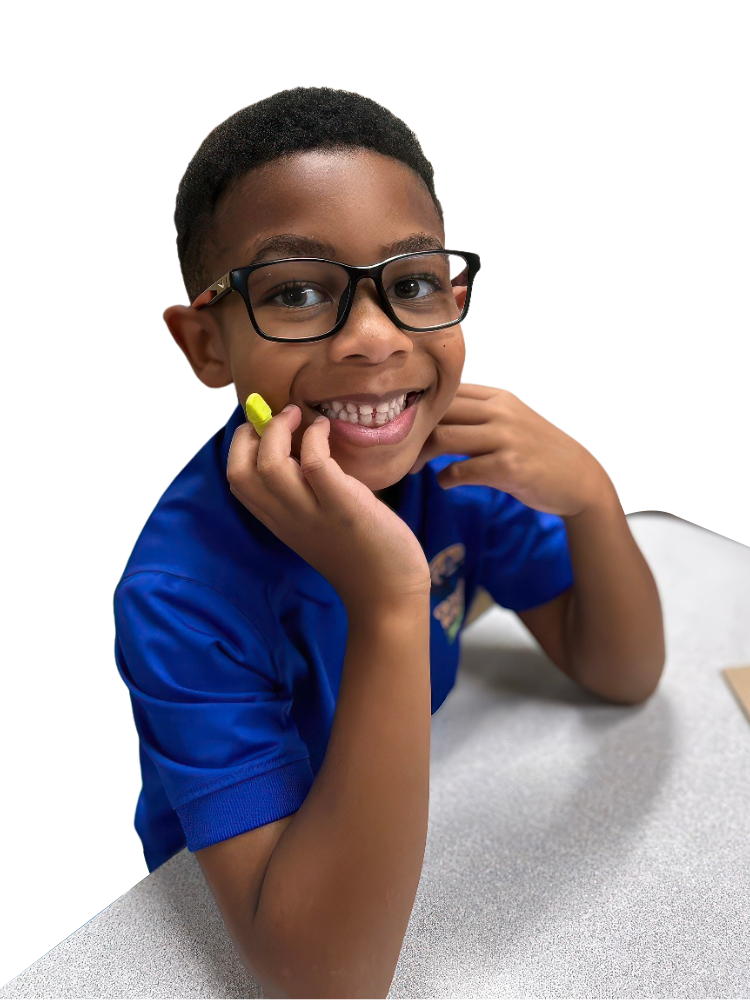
[448,587]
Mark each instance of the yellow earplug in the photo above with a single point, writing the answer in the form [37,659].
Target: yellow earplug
[258,411]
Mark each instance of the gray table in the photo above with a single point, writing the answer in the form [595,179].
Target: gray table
[575,848]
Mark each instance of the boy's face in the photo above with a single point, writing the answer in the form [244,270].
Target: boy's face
[356,204]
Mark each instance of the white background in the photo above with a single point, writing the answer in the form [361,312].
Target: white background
[657,42]
[49,892]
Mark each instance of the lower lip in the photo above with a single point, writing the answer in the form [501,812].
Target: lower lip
[368,437]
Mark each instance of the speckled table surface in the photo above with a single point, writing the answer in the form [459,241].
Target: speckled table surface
[575,848]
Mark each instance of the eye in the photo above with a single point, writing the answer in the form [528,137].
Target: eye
[299,295]
[414,286]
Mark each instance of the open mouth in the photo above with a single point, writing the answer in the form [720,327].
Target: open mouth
[367,415]
[368,425]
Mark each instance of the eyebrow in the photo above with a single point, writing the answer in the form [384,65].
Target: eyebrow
[292,245]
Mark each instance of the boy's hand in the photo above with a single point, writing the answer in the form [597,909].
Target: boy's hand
[332,520]
[514,449]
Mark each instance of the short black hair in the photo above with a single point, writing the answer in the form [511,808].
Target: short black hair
[290,121]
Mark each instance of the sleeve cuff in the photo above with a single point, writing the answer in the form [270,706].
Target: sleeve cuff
[245,805]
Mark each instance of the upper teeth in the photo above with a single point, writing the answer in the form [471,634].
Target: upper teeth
[363,413]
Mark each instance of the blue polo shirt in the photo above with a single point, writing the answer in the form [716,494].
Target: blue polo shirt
[232,646]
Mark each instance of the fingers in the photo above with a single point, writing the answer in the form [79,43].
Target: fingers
[241,474]
[279,471]
[315,450]
[242,454]
[322,473]
[261,470]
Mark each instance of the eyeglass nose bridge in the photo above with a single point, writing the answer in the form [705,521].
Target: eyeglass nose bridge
[359,273]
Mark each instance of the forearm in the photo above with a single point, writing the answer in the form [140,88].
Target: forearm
[341,882]
[614,628]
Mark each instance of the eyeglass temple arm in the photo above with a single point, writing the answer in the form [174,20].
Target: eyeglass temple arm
[213,293]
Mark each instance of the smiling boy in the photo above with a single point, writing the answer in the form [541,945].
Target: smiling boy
[355,202]
[289,618]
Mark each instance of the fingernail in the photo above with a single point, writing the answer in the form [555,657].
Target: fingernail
[320,419]
[289,406]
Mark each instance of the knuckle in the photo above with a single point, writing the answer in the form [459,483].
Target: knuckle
[268,466]
[312,466]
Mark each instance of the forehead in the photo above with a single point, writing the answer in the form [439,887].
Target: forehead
[356,202]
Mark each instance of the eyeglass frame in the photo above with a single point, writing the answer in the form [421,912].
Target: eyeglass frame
[236,280]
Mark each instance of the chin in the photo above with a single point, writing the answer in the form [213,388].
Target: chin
[376,475]
[379,479]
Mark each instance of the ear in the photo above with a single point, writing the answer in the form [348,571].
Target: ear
[459,294]
[199,338]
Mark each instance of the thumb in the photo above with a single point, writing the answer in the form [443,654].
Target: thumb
[315,457]
[325,477]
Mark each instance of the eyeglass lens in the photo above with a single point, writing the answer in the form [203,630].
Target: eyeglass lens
[305,298]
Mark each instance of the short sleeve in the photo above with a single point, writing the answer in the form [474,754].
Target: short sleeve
[212,715]
[525,558]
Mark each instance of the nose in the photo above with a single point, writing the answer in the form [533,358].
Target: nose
[368,328]
[367,303]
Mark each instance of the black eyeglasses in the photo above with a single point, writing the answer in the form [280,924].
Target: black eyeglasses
[309,298]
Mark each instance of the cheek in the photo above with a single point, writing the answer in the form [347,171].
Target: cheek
[451,359]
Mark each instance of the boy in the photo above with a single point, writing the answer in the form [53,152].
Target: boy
[289,618]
